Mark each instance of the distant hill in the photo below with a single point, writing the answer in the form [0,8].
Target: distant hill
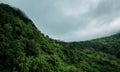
[23,48]
[109,45]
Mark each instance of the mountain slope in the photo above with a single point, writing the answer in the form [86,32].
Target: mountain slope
[109,45]
[23,48]
[99,55]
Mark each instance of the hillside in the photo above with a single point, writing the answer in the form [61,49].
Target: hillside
[23,48]
[109,45]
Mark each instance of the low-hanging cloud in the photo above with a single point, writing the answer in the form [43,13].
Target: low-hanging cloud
[72,20]
[94,31]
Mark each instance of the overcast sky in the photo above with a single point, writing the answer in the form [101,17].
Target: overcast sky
[72,20]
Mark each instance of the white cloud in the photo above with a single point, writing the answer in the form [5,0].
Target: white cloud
[11,1]
[78,7]
[72,20]
[94,31]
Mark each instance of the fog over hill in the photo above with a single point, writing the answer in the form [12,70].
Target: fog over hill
[70,20]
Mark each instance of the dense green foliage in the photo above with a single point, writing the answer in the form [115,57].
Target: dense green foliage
[23,48]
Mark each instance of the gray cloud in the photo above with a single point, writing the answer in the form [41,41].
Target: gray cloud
[72,20]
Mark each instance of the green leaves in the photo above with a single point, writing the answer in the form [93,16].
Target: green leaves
[23,48]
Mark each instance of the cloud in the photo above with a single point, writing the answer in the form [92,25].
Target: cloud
[77,7]
[72,20]
[93,31]
[99,31]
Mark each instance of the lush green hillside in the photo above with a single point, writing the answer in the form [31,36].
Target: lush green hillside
[109,45]
[99,54]
[23,48]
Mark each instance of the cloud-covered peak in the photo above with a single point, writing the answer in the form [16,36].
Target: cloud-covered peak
[72,20]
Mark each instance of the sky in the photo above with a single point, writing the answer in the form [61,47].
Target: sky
[72,20]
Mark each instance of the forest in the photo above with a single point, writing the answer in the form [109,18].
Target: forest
[23,48]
